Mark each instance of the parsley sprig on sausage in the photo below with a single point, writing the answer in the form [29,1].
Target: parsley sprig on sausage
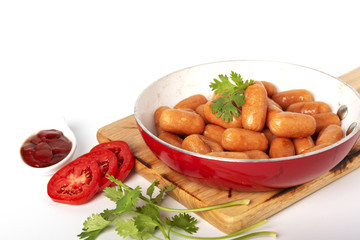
[231,95]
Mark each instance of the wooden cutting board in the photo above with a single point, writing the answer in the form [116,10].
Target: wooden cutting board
[192,194]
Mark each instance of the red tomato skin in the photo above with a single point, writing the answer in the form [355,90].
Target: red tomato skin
[101,156]
[63,176]
[126,166]
[126,160]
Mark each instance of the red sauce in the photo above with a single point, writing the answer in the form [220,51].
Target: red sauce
[45,148]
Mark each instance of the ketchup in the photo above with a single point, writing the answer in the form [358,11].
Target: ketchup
[45,148]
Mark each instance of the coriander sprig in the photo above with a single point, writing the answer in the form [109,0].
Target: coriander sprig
[146,218]
[231,95]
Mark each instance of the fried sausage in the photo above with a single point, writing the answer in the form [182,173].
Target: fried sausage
[309,107]
[330,134]
[157,115]
[239,139]
[281,147]
[272,109]
[214,132]
[325,119]
[316,147]
[253,114]
[270,88]
[181,121]
[200,110]
[235,155]
[292,125]
[256,154]
[191,102]
[211,118]
[214,146]
[285,98]
[269,135]
[171,138]
[302,144]
[194,143]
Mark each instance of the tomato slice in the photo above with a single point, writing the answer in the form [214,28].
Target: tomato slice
[75,183]
[124,155]
[107,162]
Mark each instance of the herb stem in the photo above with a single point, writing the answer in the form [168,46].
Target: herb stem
[232,234]
[272,234]
[158,237]
[228,204]
[162,229]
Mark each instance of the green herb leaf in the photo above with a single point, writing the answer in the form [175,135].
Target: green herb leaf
[231,93]
[145,225]
[126,228]
[224,108]
[114,193]
[150,210]
[129,201]
[160,196]
[114,180]
[151,188]
[95,222]
[89,235]
[109,215]
[93,226]
[183,221]
[223,87]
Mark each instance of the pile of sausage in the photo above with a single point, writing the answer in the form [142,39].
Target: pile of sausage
[271,124]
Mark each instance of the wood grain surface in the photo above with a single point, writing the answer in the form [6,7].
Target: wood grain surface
[192,194]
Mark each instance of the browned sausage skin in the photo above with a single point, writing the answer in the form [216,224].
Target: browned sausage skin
[191,102]
[214,146]
[194,143]
[180,121]
[171,138]
[214,132]
[292,125]
[234,155]
[270,88]
[301,144]
[272,109]
[316,147]
[254,110]
[239,139]
[157,115]
[256,154]
[281,147]
[269,135]
[286,98]
[330,134]
[325,119]
[200,110]
[200,144]
[309,107]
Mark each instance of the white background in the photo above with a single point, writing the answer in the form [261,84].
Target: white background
[89,60]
